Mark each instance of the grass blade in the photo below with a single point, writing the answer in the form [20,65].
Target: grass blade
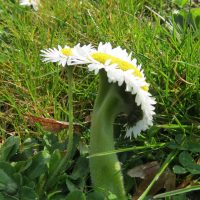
[170,157]
[179,191]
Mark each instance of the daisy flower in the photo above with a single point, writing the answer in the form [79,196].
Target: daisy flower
[63,56]
[121,69]
[129,94]
[33,3]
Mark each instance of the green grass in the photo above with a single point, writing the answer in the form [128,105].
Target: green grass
[28,86]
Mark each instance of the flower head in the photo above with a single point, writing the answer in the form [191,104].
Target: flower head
[121,69]
[63,55]
[33,3]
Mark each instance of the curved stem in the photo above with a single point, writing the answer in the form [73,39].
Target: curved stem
[105,170]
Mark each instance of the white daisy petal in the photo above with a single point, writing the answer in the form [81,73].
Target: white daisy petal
[67,56]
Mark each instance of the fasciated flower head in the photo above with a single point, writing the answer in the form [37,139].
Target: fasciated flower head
[122,69]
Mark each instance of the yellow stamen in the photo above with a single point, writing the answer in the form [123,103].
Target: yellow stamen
[145,88]
[123,65]
[67,52]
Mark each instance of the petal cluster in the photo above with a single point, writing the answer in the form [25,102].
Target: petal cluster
[120,69]
[55,55]
[65,56]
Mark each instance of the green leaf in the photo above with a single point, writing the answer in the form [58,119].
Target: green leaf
[185,159]
[28,193]
[180,3]
[96,196]
[18,178]
[29,145]
[56,195]
[180,197]
[76,181]
[81,169]
[7,184]
[195,12]
[7,167]
[51,143]
[194,169]
[184,144]
[9,148]
[187,18]
[21,166]
[7,197]
[39,164]
[191,146]
[179,170]
[70,185]
[28,182]
[54,161]
[179,138]
[76,195]
[2,197]
[173,145]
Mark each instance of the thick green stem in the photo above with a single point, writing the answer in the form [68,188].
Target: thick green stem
[105,170]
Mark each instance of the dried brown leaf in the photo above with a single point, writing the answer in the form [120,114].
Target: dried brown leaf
[51,125]
[144,170]
[147,172]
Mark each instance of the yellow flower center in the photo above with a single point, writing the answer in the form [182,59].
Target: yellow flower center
[123,65]
[145,88]
[67,52]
